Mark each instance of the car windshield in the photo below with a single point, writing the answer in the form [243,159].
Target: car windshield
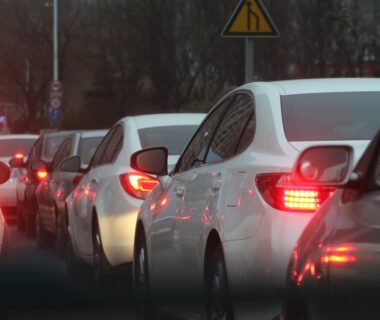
[51,146]
[87,147]
[331,116]
[8,148]
[172,137]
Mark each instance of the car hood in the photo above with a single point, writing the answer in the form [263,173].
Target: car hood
[359,146]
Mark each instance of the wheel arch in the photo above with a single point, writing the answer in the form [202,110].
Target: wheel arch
[213,241]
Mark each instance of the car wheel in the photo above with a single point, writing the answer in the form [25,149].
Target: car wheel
[60,236]
[30,223]
[20,219]
[101,267]
[42,236]
[218,302]
[144,306]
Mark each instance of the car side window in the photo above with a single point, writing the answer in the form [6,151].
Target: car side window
[59,155]
[34,154]
[97,157]
[196,150]
[114,146]
[235,132]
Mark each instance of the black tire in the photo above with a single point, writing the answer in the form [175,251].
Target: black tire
[141,282]
[20,218]
[42,236]
[218,300]
[102,270]
[60,236]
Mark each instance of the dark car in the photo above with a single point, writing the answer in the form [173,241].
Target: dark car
[51,193]
[334,272]
[39,159]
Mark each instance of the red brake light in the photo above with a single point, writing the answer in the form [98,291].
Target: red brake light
[19,155]
[281,193]
[41,174]
[138,185]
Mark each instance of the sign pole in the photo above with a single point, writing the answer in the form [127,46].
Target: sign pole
[249,58]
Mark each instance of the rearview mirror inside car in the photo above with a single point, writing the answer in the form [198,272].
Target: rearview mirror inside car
[71,164]
[151,161]
[5,172]
[324,165]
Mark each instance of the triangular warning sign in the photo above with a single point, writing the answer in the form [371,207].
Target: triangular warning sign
[250,19]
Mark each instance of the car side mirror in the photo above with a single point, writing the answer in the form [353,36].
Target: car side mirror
[17,162]
[71,164]
[324,166]
[5,172]
[152,161]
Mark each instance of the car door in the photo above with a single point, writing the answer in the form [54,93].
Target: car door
[49,186]
[164,230]
[353,255]
[85,196]
[206,196]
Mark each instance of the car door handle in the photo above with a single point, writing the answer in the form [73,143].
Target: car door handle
[95,180]
[216,184]
[180,191]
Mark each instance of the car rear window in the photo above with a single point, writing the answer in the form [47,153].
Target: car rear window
[8,148]
[51,146]
[87,147]
[174,138]
[331,116]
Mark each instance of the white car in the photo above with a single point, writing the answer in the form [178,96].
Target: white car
[226,218]
[4,241]
[102,210]
[13,145]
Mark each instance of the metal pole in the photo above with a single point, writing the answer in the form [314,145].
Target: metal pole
[249,60]
[55,41]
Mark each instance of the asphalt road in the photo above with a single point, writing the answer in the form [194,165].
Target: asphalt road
[34,285]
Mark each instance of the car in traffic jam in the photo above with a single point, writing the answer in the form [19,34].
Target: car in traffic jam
[264,207]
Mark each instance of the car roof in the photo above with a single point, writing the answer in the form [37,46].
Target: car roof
[323,85]
[165,119]
[93,133]
[57,133]
[19,136]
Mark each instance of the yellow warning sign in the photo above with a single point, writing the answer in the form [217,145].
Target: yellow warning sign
[250,19]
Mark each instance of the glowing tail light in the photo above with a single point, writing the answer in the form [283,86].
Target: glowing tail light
[339,255]
[278,191]
[138,185]
[41,174]
[19,155]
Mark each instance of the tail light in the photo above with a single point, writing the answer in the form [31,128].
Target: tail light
[77,179]
[138,185]
[19,155]
[41,174]
[281,193]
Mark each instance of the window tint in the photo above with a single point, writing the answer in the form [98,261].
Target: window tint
[51,146]
[63,152]
[174,138]
[196,150]
[87,147]
[35,153]
[97,158]
[114,146]
[331,116]
[237,119]
[8,148]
